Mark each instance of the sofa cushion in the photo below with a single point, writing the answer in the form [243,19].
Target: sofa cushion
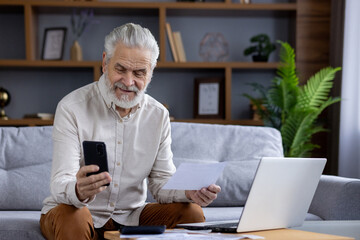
[240,146]
[20,225]
[337,198]
[25,166]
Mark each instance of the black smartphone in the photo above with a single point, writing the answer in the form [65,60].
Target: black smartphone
[95,154]
[157,229]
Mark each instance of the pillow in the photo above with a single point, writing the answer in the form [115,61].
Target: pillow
[25,167]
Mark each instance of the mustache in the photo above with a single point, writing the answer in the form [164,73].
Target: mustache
[123,87]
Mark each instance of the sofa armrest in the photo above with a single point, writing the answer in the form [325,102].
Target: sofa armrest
[337,198]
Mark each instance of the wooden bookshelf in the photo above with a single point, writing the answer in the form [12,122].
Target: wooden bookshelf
[307,18]
[33,8]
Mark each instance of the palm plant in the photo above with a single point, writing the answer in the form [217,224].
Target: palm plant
[294,109]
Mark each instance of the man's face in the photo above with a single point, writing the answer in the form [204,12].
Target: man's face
[128,73]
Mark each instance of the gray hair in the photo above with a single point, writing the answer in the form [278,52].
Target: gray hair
[132,35]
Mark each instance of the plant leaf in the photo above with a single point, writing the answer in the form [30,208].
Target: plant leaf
[299,128]
[315,92]
[287,69]
[285,88]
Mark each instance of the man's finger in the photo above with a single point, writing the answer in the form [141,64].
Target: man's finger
[214,188]
[208,195]
[91,193]
[95,181]
[199,200]
[87,169]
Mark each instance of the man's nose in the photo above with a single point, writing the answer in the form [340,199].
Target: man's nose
[128,79]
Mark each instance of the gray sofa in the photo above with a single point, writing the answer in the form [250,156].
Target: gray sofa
[25,165]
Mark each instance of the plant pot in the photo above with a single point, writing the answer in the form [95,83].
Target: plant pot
[260,58]
[76,52]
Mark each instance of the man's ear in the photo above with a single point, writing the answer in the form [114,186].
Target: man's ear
[104,62]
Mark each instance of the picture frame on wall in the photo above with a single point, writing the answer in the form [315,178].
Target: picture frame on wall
[209,97]
[53,43]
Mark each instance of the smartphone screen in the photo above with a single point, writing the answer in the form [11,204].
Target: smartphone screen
[95,154]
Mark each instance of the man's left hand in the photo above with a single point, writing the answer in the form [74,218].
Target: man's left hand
[204,196]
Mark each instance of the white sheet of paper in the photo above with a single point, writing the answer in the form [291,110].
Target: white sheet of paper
[185,235]
[194,176]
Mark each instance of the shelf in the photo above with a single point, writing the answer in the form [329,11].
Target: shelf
[41,63]
[235,65]
[90,64]
[26,122]
[40,122]
[155,5]
[232,6]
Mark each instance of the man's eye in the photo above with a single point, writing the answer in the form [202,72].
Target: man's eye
[139,73]
[120,70]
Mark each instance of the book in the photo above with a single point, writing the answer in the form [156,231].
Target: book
[171,41]
[179,47]
[43,116]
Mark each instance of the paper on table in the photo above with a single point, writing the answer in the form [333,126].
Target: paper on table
[192,176]
[185,235]
[207,233]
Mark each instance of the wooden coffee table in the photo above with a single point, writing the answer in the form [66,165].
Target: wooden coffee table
[278,234]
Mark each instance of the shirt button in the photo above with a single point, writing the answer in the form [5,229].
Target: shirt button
[119,142]
[112,205]
[118,163]
[120,121]
[116,185]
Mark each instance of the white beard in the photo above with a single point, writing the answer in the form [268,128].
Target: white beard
[124,101]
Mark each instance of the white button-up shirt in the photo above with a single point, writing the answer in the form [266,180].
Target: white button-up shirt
[138,150]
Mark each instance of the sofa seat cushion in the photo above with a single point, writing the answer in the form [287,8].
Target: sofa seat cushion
[20,225]
[233,213]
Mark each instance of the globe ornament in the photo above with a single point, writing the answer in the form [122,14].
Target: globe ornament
[4,101]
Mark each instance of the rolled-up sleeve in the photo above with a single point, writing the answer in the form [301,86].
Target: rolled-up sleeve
[66,158]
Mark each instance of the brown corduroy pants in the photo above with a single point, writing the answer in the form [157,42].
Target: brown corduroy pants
[68,222]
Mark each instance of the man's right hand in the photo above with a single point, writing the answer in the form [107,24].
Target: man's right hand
[88,187]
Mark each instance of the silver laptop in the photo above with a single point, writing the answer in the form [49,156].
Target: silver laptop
[280,196]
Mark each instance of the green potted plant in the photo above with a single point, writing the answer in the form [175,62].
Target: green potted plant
[294,109]
[262,48]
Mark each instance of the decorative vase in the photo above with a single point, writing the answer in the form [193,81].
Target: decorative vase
[76,52]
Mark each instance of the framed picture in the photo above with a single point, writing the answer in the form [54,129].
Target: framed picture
[209,98]
[53,44]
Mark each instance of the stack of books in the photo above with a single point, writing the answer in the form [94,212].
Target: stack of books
[176,44]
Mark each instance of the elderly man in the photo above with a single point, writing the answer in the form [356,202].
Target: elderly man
[136,131]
